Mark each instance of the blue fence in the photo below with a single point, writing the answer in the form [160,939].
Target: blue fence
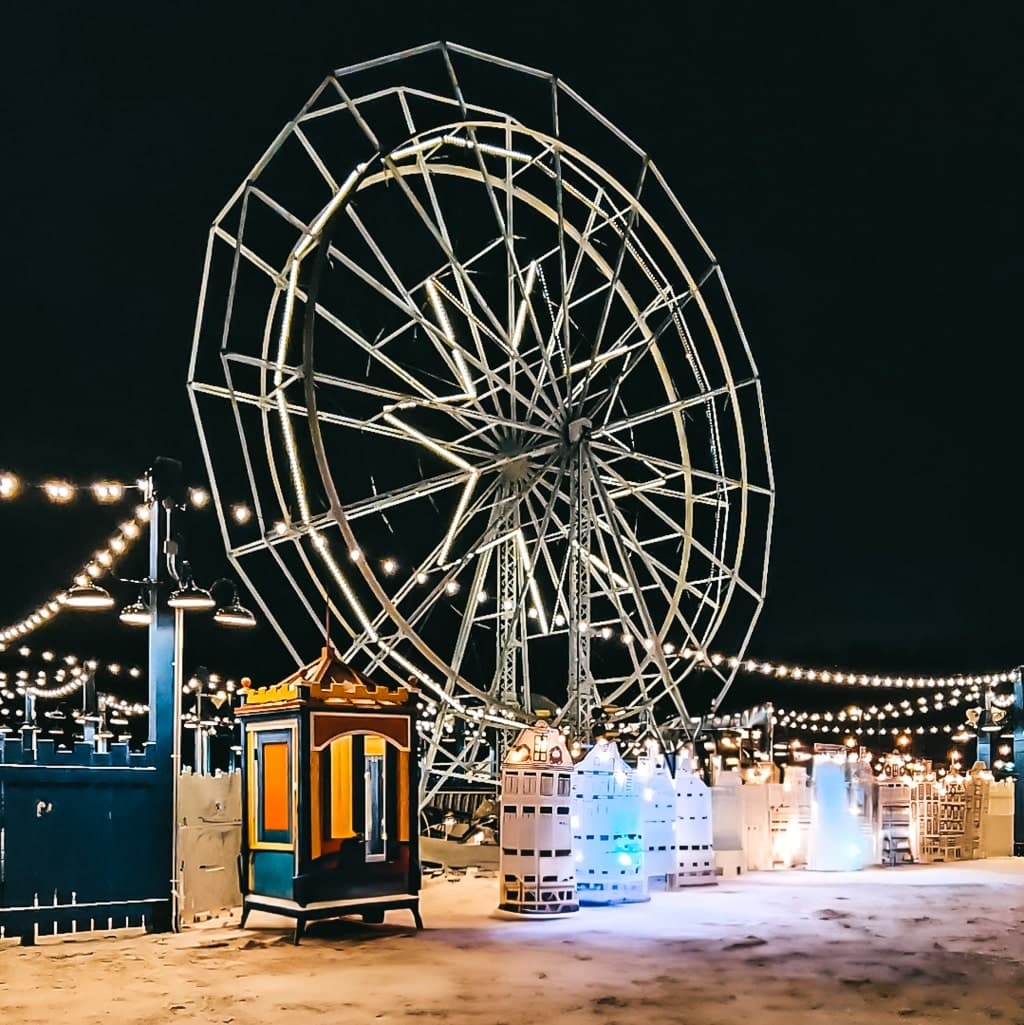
[85,838]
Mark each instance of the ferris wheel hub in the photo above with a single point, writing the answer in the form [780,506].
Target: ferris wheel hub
[578,429]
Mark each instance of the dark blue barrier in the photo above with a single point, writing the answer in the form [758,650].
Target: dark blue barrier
[84,839]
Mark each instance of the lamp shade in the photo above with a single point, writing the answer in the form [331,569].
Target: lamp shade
[136,614]
[191,597]
[88,596]
[234,615]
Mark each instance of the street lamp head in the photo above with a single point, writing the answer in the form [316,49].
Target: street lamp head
[89,597]
[230,612]
[191,597]
[136,614]
[234,614]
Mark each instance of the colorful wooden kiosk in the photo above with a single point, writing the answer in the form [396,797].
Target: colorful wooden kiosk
[329,784]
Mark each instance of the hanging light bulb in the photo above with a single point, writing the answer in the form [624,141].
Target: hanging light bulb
[106,492]
[59,491]
[9,485]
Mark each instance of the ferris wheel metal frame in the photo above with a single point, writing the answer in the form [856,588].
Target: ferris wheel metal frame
[504,368]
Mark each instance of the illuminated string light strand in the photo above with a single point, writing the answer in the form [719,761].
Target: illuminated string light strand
[871,731]
[800,674]
[92,664]
[904,710]
[61,491]
[101,563]
[390,565]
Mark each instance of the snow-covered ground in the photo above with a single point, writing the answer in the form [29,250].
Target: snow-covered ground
[928,944]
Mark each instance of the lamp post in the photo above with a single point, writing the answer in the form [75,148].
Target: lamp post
[164,493]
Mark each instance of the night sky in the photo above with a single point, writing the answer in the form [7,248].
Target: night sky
[858,175]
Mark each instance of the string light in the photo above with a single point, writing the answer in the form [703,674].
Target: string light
[93,665]
[801,674]
[101,563]
[854,714]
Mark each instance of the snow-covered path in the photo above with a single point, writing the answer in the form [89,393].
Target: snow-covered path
[932,944]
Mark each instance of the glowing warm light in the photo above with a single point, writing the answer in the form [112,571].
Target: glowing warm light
[198,497]
[59,491]
[390,567]
[10,485]
[241,513]
[107,492]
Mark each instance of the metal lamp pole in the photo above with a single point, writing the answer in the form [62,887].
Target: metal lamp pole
[165,667]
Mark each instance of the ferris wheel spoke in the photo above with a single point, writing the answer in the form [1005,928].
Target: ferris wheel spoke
[541,552]
[672,408]
[429,600]
[613,594]
[387,500]
[461,278]
[614,524]
[559,574]
[651,339]
[617,450]
[560,326]
[375,353]
[560,219]
[707,553]
[629,543]
[447,348]
[515,361]
[616,275]
[541,524]
[478,152]
[457,267]
[434,231]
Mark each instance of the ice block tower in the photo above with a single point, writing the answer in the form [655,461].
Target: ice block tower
[607,829]
[537,869]
[695,846]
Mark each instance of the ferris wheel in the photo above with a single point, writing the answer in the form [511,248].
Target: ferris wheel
[488,393]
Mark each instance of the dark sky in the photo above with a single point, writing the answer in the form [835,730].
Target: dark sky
[857,171]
